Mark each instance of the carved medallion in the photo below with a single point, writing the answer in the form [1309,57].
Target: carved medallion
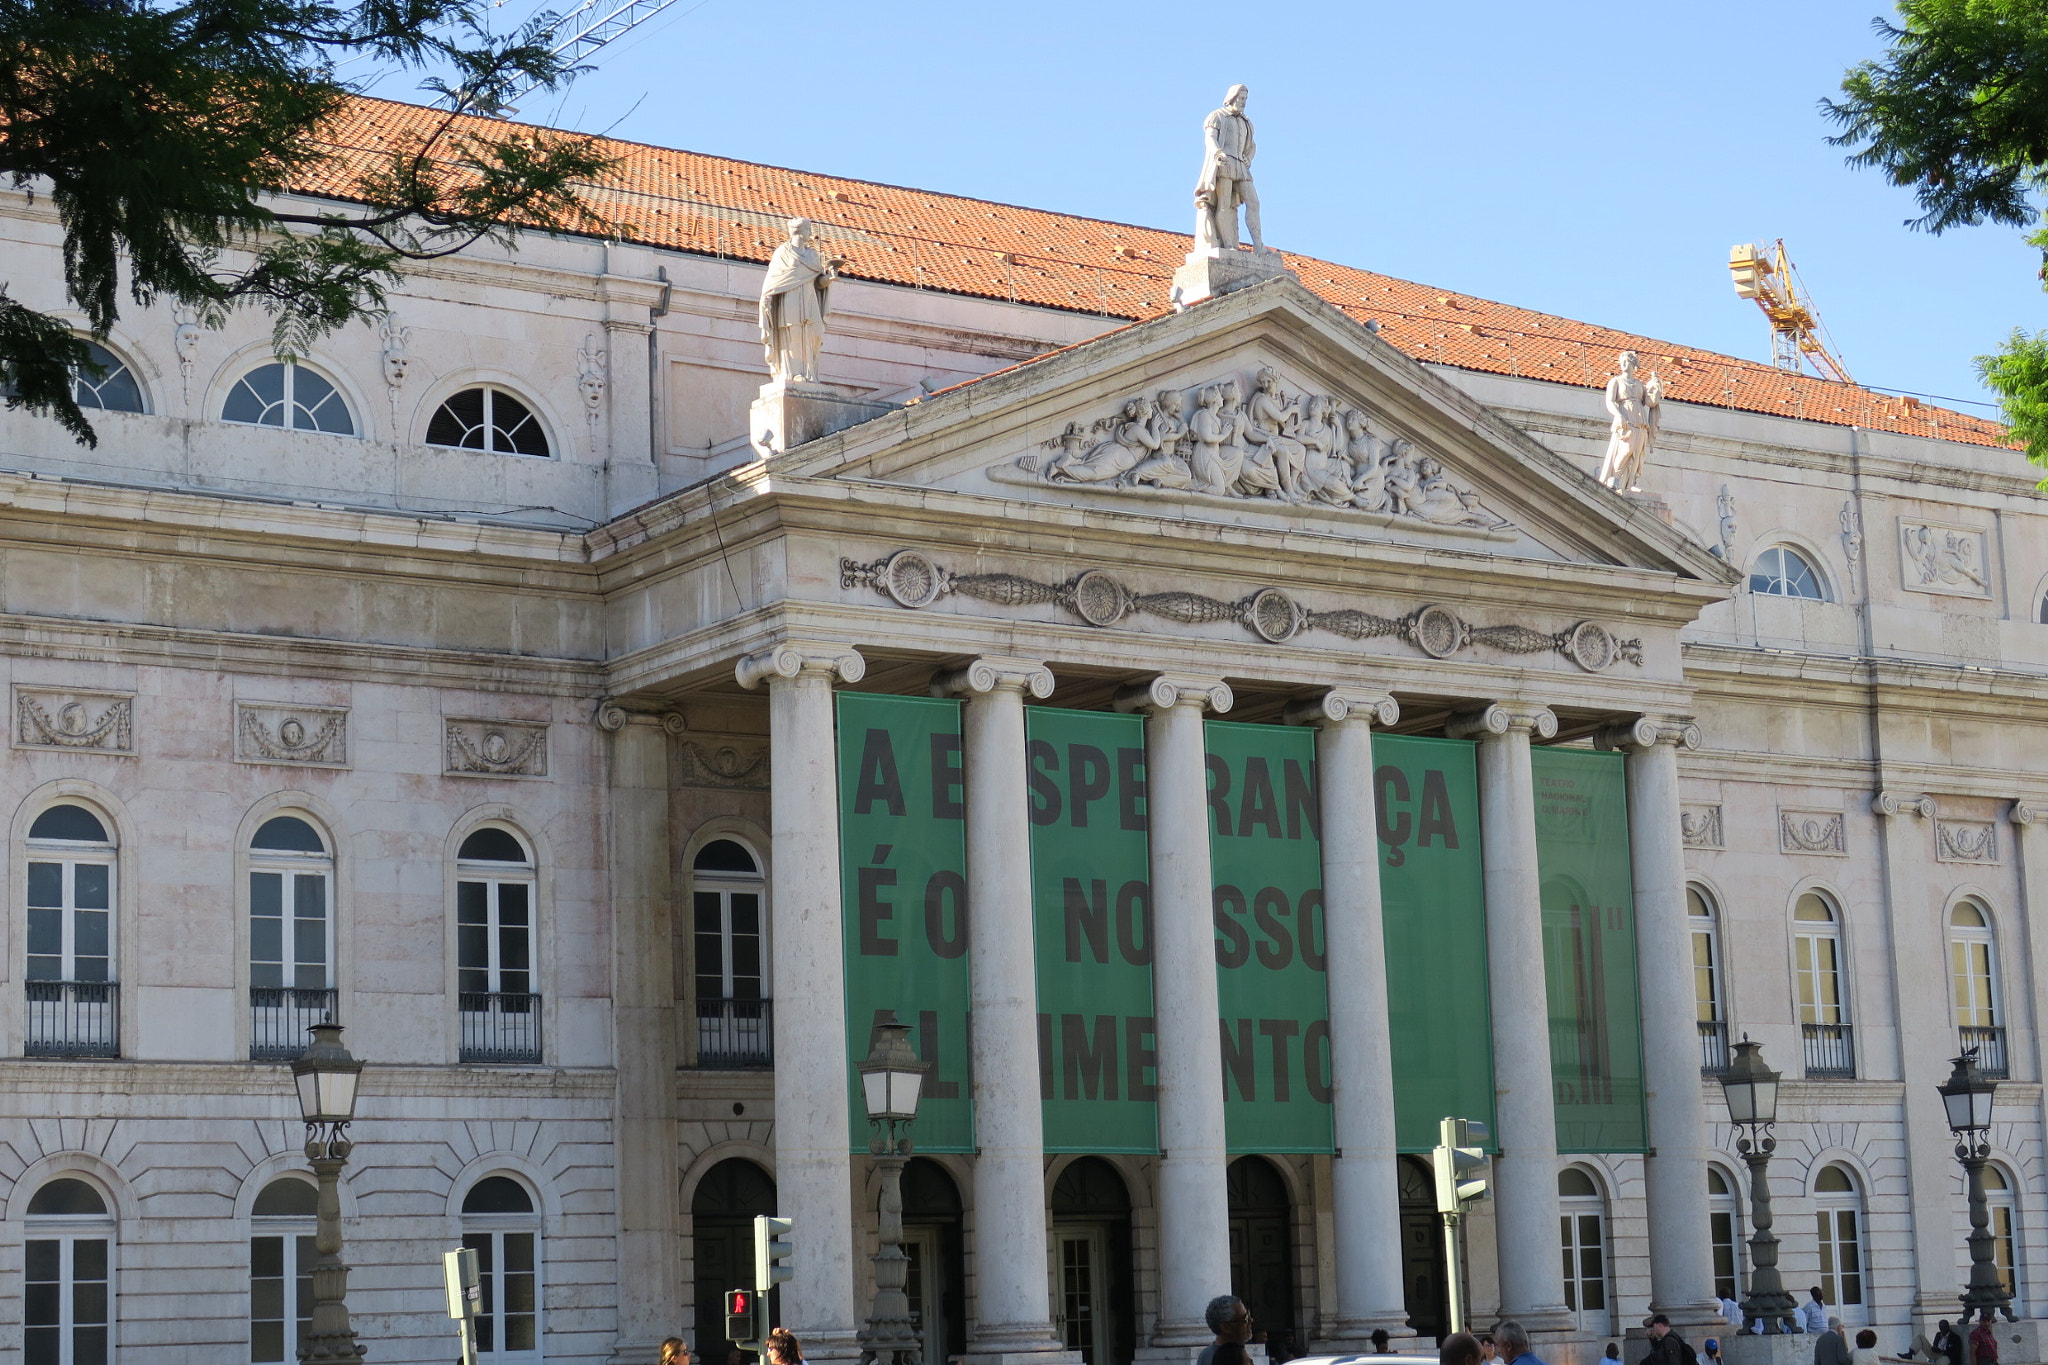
[734,765]
[77,722]
[1812,831]
[1965,842]
[1700,826]
[496,748]
[311,736]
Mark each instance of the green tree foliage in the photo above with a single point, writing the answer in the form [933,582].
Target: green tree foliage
[163,134]
[1957,111]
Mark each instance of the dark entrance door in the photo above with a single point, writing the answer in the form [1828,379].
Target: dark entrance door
[938,1268]
[1091,1225]
[1422,1250]
[722,1214]
[1262,1250]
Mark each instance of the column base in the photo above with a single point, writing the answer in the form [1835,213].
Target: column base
[837,1348]
[1558,1338]
[1353,1336]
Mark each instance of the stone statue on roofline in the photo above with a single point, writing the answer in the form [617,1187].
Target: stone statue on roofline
[794,300]
[1227,151]
[1635,407]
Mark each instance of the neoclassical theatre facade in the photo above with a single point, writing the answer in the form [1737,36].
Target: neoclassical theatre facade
[1232,737]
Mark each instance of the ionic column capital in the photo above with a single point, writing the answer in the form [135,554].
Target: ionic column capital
[1169,690]
[794,658]
[994,673]
[1647,732]
[1889,803]
[2024,813]
[1501,718]
[1341,704]
[612,718]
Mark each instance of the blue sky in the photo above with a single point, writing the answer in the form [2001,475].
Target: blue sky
[1592,160]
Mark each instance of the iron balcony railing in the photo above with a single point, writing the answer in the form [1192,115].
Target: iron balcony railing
[279,1017]
[1829,1052]
[1713,1046]
[499,1026]
[735,1034]
[73,1019]
[1990,1045]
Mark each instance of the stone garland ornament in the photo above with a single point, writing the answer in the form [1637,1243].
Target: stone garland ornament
[1700,826]
[726,767]
[1807,831]
[496,748]
[310,735]
[90,722]
[911,579]
[1965,843]
[1255,443]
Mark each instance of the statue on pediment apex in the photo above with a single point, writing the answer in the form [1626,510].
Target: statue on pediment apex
[1227,151]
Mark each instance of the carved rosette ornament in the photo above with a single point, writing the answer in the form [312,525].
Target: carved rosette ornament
[912,579]
[77,722]
[496,748]
[307,736]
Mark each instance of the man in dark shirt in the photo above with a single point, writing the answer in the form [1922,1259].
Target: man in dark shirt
[1231,1321]
[1666,1346]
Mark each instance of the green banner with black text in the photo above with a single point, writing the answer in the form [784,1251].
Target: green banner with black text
[1589,950]
[1433,906]
[1091,895]
[903,848]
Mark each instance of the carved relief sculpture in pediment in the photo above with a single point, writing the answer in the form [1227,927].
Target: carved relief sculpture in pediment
[80,722]
[1256,443]
[496,748]
[311,736]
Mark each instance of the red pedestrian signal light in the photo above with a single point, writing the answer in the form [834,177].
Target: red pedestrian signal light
[742,1324]
[738,1301]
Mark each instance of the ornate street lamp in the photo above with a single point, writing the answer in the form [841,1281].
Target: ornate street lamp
[1967,1097]
[1752,1091]
[891,1079]
[326,1077]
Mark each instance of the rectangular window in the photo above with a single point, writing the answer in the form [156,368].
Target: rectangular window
[1841,1257]
[1705,977]
[1970,963]
[66,1301]
[70,921]
[280,1297]
[494,937]
[1820,981]
[508,1317]
[1721,1228]
[288,938]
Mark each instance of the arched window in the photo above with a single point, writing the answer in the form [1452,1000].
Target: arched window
[499,1224]
[291,936]
[1838,1225]
[67,1302]
[1817,969]
[288,394]
[281,1257]
[1724,1226]
[487,418]
[1782,571]
[728,906]
[494,913]
[1582,1239]
[112,389]
[1706,980]
[1998,1193]
[1973,972]
[69,974]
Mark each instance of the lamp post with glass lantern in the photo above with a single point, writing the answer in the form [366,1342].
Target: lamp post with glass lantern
[891,1079]
[1967,1098]
[1752,1092]
[326,1077]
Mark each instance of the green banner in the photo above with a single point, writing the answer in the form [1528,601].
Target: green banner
[1433,898]
[1589,950]
[1272,987]
[1091,888]
[903,833]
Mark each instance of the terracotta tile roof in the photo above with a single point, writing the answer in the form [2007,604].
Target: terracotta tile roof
[687,201]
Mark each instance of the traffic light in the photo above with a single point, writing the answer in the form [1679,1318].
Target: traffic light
[742,1324]
[1460,1163]
[772,1248]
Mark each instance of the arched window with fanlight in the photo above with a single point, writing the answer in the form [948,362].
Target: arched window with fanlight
[1582,1243]
[281,1253]
[1973,980]
[1838,1227]
[1781,571]
[289,395]
[1822,1001]
[105,382]
[1706,979]
[67,1298]
[1724,1228]
[69,972]
[486,417]
[728,900]
[497,997]
[499,1224]
[291,935]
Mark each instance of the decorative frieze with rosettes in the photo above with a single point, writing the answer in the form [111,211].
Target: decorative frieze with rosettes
[913,579]
[74,721]
[302,736]
[496,748]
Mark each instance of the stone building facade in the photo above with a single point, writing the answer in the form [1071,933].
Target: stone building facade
[473,679]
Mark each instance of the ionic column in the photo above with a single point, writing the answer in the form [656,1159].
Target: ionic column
[1525,1114]
[1013,1308]
[644,1008]
[1675,1172]
[1194,1202]
[1365,1177]
[813,1172]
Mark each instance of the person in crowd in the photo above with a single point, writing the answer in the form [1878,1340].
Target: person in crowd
[1832,1348]
[1948,1344]
[1666,1346]
[1983,1343]
[675,1351]
[1711,1352]
[1813,1314]
[1379,1341]
[1866,1348]
[1460,1348]
[1731,1313]
[784,1348]
[1613,1356]
[1489,1350]
[1513,1340]
[1231,1321]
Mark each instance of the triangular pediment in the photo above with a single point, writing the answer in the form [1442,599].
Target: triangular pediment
[1266,408]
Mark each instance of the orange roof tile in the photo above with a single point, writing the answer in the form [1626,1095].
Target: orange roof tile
[715,206]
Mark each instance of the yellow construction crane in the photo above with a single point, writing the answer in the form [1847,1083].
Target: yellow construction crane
[1766,274]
